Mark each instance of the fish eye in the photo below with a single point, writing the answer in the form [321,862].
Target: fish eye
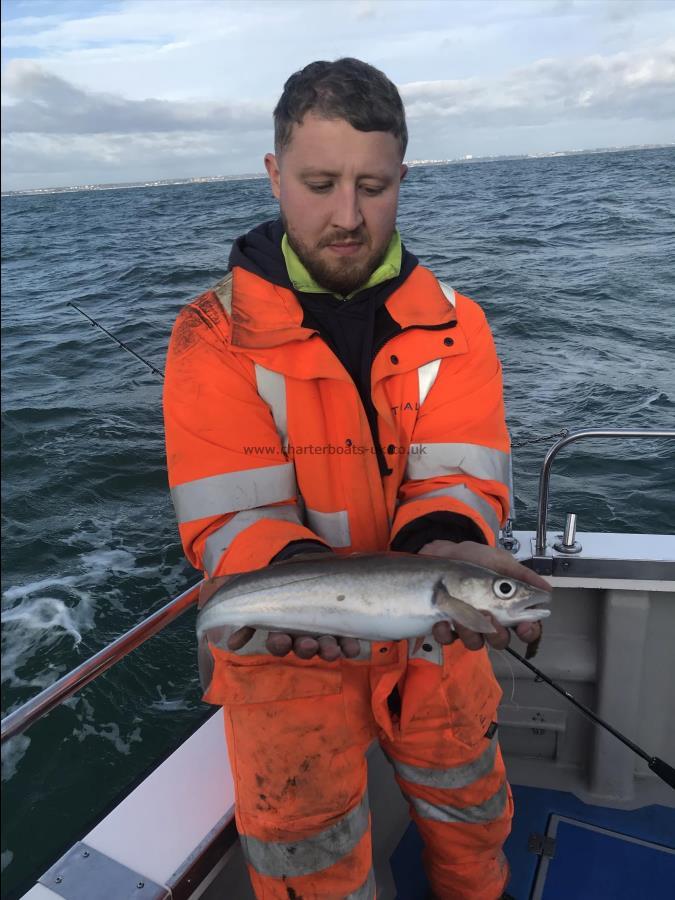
[504,588]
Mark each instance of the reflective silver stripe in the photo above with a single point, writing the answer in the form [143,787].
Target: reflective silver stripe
[449,293]
[304,857]
[366,891]
[223,291]
[434,460]
[272,389]
[221,539]
[332,527]
[233,491]
[488,811]
[453,776]
[465,495]
[429,650]
[426,375]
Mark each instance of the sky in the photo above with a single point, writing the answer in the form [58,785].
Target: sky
[103,91]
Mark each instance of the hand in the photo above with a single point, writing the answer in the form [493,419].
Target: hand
[497,560]
[304,646]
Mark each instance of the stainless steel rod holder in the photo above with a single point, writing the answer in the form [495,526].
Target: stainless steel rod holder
[568,542]
[570,530]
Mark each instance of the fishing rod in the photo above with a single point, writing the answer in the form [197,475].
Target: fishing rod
[117,340]
[658,766]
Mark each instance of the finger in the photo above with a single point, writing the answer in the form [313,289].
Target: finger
[528,632]
[505,564]
[530,577]
[305,647]
[351,647]
[443,632]
[472,640]
[329,649]
[502,562]
[240,637]
[279,644]
[501,637]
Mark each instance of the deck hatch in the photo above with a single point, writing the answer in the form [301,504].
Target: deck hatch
[83,873]
[594,863]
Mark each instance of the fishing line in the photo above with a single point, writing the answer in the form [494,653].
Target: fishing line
[512,701]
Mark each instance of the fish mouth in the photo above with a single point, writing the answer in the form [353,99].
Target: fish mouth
[527,598]
[532,614]
[528,611]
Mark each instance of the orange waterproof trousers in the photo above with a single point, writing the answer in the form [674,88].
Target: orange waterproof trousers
[297,733]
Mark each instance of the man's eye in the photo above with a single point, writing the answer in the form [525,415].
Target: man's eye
[320,188]
[372,191]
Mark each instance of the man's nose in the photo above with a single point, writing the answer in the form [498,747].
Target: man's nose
[347,210]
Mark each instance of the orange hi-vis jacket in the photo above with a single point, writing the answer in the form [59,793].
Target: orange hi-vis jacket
[268,445]
[268,442]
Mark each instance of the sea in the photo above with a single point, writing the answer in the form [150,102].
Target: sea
[573,260]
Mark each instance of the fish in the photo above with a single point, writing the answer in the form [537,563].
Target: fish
[373,597]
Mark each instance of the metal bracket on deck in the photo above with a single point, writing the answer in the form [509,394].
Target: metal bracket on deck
[83,873]
[541,844]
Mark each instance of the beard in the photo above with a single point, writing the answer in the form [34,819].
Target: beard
[340,275]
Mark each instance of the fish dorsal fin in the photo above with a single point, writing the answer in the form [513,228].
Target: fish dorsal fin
[209,588]
[461,612]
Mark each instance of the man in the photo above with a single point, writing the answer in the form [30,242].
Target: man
[330,395]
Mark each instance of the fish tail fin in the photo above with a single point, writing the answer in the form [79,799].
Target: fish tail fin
[205,662]
[209,588]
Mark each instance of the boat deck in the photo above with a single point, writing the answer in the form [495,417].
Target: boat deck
[598,853]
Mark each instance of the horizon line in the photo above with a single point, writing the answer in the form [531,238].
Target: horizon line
[206,179]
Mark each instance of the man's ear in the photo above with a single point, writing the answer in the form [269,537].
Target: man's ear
[404,171]
[273,171]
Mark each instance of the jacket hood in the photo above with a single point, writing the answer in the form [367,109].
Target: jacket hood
[259,252]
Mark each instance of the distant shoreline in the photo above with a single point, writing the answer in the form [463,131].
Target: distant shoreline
[210,179]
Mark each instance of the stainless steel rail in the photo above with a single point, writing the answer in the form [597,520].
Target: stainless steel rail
[19,720]
[542,511]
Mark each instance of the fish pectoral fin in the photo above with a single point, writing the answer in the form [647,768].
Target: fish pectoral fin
[461,612]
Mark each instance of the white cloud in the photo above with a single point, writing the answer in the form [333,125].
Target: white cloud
[188,86]
[639,84]
[44,103]
[62,160]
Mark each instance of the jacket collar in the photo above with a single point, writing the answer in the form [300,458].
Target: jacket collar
[266,315]
[301,279]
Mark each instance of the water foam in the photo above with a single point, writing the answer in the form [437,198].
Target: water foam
[166,705]
[13,752]
[109,731]
[37,616]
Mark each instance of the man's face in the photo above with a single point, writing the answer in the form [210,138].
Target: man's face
[338,192]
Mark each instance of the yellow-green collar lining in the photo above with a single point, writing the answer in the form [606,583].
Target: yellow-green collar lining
[390,267]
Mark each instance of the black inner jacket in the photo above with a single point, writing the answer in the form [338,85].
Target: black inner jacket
[355,330]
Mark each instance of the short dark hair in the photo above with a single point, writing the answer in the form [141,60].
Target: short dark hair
[345,89]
